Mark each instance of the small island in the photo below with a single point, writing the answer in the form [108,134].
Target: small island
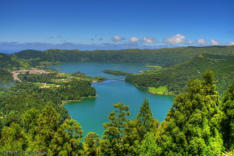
[116,72]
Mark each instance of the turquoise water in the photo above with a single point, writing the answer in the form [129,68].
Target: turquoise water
[95,69]
[91,113]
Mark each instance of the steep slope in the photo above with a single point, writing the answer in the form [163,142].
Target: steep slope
[11,62]
[175,77]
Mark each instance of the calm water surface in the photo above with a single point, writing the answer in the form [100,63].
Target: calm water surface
[91,113]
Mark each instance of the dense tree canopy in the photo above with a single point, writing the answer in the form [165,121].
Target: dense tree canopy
[192,125]
[228,121]
[163,57]
[175,77]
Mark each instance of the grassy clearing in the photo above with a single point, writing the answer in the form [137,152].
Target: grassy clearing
[153,66]
[162,90]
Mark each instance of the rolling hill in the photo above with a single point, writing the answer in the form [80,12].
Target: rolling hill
[175,78]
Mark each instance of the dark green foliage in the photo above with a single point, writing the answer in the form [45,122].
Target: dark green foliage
[12,139]
[149,146]
[192,125]
[5,76]
[32,119]
[145,122]
[75,89]
[92,144]
[30,53]
[29,120]
[228,121]
[131,138]
[34,57]
[67,139]
[163,57]
[176,77]
[136,130]
[112,143]
[42,78]
[6,80]
[34,135]
[26,95]
[9,62]
[46,125]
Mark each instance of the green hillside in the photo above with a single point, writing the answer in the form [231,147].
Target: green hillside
[163,57]
[11,62]
[175,77]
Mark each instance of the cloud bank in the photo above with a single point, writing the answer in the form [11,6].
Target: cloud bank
[176,39]
[117,38]
[231,43]
[134,39]
[148,40]
[115,43]
[214,42]
[201,41]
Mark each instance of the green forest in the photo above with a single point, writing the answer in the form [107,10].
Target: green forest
[175,77]
[200,121]
[179,64]
[163,57]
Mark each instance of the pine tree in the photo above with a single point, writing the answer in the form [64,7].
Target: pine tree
[92,144]
[148,146]
[112,143]
[29,119]
[46,126]
[136,130]
[67,139]
[193,122]
[131,139]
[228,121]
[13,139]
[145,121]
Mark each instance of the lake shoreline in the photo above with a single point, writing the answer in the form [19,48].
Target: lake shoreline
[92,112]
[78,100]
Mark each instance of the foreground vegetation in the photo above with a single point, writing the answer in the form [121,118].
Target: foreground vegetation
[198,123]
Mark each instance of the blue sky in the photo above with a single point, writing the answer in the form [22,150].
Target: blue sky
[114,24]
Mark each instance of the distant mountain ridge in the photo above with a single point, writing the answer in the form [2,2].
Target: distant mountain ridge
[164,57]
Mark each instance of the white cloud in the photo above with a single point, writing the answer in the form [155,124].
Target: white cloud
[201,41]
[190,42]
[231,43]
[117,38]
[134,39]
[176,39]
[214,42]
[148,40]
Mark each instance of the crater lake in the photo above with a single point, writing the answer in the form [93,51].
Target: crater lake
[91,113]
